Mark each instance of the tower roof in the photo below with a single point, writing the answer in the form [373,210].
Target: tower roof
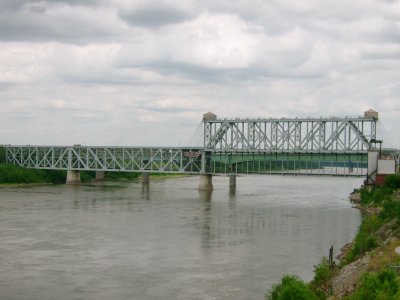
[371,113]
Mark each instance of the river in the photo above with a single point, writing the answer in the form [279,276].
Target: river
[122,240]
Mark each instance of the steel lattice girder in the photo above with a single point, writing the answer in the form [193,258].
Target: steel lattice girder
[125,159]
[189,160]
[322,135]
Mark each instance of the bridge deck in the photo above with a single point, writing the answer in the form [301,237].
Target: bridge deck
[185,160]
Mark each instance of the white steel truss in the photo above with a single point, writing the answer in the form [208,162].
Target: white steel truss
[318,135]
[124,159]
[331,146]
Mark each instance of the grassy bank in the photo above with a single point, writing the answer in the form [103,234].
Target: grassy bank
[368,268]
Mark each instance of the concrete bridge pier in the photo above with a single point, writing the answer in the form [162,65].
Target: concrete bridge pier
[205,182]
[145,178]
[99,175]
[73,177]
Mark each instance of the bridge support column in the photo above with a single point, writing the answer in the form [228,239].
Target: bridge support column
[372,167]
[99,175]
[73,177]
[232,181]
[145,178]
[205,182]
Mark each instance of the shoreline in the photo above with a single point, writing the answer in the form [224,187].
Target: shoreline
[349,277]
[21,184]
[33,184]
[364,267]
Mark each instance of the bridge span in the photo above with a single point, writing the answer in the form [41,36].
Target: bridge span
[334,146]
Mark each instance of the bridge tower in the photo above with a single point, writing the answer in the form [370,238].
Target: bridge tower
[373,154]
[205,178]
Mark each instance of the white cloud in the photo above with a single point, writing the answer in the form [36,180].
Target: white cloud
[144,72]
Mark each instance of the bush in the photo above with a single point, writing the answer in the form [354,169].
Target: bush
[382,285]
[322,273]
[376,196]
[391,210]
[392,181]
[290,288]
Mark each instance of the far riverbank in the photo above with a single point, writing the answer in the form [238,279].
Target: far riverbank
[17,176]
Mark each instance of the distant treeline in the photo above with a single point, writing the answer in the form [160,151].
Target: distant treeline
[2,154]
[91,175]
[14,174]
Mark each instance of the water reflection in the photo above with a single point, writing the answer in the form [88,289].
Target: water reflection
[146,191]
[205,195]
[232,193]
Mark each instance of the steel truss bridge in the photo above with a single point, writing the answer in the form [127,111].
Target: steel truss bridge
[312,146]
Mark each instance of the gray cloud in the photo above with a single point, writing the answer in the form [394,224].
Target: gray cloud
[154,16]
[112,71]
[64,21]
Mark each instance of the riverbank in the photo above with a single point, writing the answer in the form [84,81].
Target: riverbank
[368,267]
[15,176]
[11,175]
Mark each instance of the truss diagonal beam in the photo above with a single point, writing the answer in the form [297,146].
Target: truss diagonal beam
[322,135]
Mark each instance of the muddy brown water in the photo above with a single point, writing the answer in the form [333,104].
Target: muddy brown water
[122,240]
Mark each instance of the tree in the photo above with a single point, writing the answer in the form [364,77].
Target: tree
[2,154]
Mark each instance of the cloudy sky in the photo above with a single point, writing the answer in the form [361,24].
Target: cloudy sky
[143,72]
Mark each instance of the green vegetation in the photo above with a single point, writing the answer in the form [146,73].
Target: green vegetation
[393,181]
[365,239]
[120,175]
[377,237]
[386,203]
[2,154]
[377,285]
[85,176]
[10,174]
[15,174]
[291,288]
[322,275]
